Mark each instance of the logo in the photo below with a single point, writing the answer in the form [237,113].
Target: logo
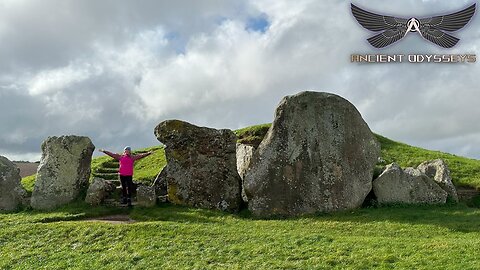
[433,29]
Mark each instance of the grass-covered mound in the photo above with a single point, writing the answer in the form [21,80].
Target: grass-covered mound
[146,169]
[252,135]
[465,171]
[172,237]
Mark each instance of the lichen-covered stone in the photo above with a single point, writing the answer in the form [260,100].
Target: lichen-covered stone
[438,171]
[146,196]
[318,156]
[244,157]
[12,194]
[160,183]
[201,165]
[98,190]
[409,186]
[63,172]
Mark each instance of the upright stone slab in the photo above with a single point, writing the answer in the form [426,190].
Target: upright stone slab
[63,172]
[201,165]
[12,194]
[244,157]
[438,171]
[409,186]
[318,156]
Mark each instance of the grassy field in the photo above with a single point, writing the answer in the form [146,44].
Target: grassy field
[172,237]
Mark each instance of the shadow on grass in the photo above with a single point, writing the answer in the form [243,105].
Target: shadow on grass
[453,217]
[176,213]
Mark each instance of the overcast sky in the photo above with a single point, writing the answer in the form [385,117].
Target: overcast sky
[112,70]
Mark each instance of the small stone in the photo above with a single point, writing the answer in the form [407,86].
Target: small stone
[438,171]
[98,190]
[409,186]
[146,196]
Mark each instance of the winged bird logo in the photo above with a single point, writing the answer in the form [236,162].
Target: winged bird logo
[432,29]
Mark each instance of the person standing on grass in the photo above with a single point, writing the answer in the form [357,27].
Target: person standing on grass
[126,160]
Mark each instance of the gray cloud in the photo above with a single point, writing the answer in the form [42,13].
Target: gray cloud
[112,70]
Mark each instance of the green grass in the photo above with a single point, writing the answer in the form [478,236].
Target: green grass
[172,237]
[28,183]
[147,169]
[252,135]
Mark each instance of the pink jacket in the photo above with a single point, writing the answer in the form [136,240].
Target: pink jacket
[126,162]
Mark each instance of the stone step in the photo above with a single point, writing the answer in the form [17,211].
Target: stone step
[117,203]
[106,176]
[111,164]
[106,170]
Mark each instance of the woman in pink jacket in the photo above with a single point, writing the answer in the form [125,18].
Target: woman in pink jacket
[125,171]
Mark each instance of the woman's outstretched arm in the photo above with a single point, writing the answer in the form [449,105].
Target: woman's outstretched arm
[140,156]
[113,155]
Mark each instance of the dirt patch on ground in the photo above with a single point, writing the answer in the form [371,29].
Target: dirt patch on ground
[27,168]
[113,219]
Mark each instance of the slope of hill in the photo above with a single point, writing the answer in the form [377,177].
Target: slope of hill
[465,171]
[146,169]
[106,167]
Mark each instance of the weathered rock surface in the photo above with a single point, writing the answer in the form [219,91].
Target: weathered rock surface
[12,194]
[98,190]
[201,165]
[318,156]
[409,186]
[244,157]
[146,196]
[160,185]
[438,171]
[63,172]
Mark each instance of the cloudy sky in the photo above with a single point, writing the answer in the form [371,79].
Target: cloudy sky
[112,69]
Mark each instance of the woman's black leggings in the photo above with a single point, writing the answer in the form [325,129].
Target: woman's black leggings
[127,185]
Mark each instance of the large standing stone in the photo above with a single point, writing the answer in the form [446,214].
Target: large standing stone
[438,171]
[201,165]
[12,194]
[408,186]
[318,156]
[244,157]
[63,172]
[98,190]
